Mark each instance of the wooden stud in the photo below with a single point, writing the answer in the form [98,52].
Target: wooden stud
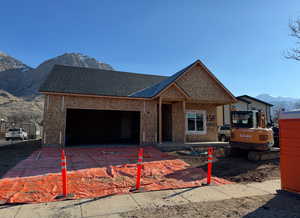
[160,120]
[184,123]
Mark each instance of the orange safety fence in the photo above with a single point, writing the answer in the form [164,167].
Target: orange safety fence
[96,172]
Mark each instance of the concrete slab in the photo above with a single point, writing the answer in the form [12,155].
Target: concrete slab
[269,186]
[239,190]
[201,194]
[108,206]
[54,209]
[158,198]
[33,210]
[9,211]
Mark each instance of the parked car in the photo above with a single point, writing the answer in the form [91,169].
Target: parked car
[16,133]
[224,133]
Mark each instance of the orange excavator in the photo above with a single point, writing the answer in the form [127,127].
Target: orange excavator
[249,132]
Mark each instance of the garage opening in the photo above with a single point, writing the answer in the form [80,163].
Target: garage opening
[90,127]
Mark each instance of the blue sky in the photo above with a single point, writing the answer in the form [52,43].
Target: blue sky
[241,42]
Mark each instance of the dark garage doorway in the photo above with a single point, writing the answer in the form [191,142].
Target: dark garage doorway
[90,127]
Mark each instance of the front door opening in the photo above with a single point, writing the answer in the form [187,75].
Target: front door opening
[167,122]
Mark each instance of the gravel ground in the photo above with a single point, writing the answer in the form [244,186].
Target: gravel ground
[261,206]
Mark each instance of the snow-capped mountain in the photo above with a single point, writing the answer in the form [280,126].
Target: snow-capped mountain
[279,102]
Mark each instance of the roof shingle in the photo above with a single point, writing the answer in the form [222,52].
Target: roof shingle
[80,80]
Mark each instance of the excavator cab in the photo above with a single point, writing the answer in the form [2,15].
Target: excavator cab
[249,131]
[248,119]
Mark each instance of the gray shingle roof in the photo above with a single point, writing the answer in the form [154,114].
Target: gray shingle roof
[255,99]
[157,88]
[80,80]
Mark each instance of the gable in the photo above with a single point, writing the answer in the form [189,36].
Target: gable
[173,92]
[201,85]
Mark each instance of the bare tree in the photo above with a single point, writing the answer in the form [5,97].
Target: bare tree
[276,114]
[294,53]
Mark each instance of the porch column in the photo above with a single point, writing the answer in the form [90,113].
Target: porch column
[184,123]
[230,116]
[159,120]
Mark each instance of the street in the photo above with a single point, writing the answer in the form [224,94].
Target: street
[3,142]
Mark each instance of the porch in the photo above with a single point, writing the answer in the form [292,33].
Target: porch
[176,146]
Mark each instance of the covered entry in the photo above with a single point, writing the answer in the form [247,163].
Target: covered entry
[88,127]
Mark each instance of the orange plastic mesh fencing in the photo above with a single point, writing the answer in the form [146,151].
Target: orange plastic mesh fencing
[96,172]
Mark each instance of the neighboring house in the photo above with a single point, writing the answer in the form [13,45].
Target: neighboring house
[93,106]
[244,103]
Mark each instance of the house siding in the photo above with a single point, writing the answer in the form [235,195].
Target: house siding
[200,86]
[55,115]
[172,93]
[178,122]
[212,130]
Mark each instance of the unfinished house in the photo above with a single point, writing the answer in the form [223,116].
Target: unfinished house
[85,106]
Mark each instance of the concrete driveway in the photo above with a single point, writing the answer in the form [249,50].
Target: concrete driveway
[95,172]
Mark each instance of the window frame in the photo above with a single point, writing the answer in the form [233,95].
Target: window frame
[195,132]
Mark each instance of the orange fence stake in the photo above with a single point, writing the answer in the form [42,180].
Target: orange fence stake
[209,164]
[64,172]
[139,168]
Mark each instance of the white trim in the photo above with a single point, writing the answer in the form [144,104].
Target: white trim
[204,132]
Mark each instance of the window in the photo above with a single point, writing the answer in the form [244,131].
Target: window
[225,127]
[196,122]
[242,119]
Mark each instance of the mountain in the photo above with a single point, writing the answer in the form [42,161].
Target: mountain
[23,81]
[279,103]
[19,97]
[13,73]
[9,63]
[17,109]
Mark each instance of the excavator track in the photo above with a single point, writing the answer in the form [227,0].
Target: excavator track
[273,153]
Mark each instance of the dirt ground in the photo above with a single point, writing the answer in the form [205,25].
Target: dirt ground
[233,168]
[261,206]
